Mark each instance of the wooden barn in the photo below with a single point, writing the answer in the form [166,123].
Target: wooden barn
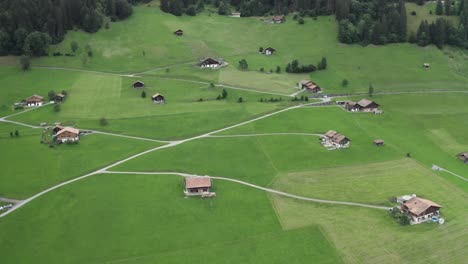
[197,185]
[463,157]
[138,84]
[34,100]
[379,142]
[269,51]
[278,19]
[210,63]
[420,210]
[179,32]
[310,86]
[158,98]
[68,134]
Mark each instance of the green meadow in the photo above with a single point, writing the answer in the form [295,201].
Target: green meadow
[137,219]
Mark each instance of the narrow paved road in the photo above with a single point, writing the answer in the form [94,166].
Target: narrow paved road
[266,134]
[454,174]
[8,200]
[302,198]
[171,144]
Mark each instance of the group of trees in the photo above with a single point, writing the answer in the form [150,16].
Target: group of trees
[371,21]
[29,26]
[296,67]
[180,7]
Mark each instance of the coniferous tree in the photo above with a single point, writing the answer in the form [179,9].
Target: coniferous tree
[439,8]
[447,4]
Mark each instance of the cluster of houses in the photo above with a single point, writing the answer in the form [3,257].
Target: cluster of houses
[66,134]
[198,186]
[309,86]
[333,140]
[420,210]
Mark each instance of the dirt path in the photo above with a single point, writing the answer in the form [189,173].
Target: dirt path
[437,168]
[302,198]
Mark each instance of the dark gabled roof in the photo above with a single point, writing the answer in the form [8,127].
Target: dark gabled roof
[210,61]
[270,49]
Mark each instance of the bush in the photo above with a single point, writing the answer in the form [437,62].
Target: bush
[58,53]
[143,94]
[301,21]
[344,83]
[57,108]
[413,13]
[103,122]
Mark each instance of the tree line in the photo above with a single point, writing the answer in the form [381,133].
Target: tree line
[29,26]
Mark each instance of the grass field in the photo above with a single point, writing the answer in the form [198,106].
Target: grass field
[423,13]
[138,219]
[391,68]
[39,167]
[92,222]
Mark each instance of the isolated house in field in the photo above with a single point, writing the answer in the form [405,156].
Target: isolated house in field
[310,86]
[420,210]
[363,105]
[235,14]
[210,63]
[269,51]
[379,142]
[158,98]
[68,134]
[335,140]
[197,185]
[426,65]
[179,32]
[463,157]
[34,100]
[278,19]
[138,84]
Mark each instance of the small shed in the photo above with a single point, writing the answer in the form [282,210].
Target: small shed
[463,157]
[158,98]
[179,32]
[269,51]
[426,65]
[379,142]
[235,14]
[197,185]
[278,19]
[138,84]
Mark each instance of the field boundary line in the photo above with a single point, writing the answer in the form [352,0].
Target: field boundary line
[303,198]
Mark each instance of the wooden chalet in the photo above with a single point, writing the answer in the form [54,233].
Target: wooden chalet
[158,98]
[420,210]
[310,86]
[197,185]
[34,100]
[463,157]
[363,105]
[210,63]
[278,19]
[138,84]
[68,134]
[379,142]
[334,138]
[426,65]
[269,51]
[179,32]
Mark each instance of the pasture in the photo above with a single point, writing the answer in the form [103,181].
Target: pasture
[129,218]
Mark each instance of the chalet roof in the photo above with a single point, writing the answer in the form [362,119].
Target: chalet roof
[379,141]
[179,31]
[69,129]
[366,103]
[463,154]
[156,95]
[60,95]
[138,82]
[279,17]
[417,205]
[330,133]
[58,126]
[304,82]
[34,98]
[270,49]
[197,182]
[351,103]
[211,61]
[338,138]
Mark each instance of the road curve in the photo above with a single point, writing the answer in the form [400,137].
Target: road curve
[297,197]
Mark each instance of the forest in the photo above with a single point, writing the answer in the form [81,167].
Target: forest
[29,26]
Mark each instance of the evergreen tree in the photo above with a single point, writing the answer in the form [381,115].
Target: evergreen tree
[439,8]
[224,94]
[223,9]
[74,46]
[25,62]
[371,90]
[448,5]
[402,22]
